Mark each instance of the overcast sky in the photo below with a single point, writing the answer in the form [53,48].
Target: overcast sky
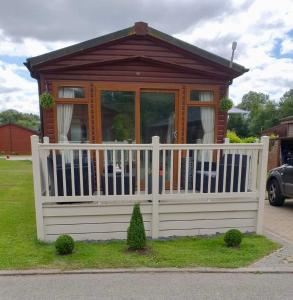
[262,28]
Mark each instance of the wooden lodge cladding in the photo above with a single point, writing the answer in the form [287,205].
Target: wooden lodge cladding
[139,59]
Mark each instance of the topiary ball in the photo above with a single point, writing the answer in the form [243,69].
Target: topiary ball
[233,238]
[64,244]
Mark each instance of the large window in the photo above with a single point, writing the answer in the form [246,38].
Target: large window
[118,116]
[72,123]
[200,125]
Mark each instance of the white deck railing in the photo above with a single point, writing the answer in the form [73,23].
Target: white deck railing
[93,172]
[66,173]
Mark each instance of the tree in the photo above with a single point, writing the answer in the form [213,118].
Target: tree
[25,119]
[239,124]
[286,104]
[252,101]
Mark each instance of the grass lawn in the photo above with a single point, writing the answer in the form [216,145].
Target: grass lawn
[19,248]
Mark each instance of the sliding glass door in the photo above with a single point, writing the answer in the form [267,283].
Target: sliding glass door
[158,116]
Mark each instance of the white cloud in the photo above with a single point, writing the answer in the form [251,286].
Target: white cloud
[256,26]
[256,29]
[15,91]
[287,46]
[27,46]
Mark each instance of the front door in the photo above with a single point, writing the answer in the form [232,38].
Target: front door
[158,116]
[135,115]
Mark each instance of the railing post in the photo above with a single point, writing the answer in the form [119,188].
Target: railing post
[155,185]
[37,186]
[262,176]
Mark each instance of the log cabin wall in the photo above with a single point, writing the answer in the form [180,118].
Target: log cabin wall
[134,59]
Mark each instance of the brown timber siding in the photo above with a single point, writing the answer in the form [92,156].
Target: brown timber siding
[135,70]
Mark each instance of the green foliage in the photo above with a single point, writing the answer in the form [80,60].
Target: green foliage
[233,238]
[226,104]
[12,116]
[120,127]
[64,244]
[238,123]
[286,104]
[46,100]
[136,238]
[235,139]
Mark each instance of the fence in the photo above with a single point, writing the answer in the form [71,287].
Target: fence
[73,177]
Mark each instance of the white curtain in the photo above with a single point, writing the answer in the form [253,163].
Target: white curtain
[64,117]
[208,123]
[206,96]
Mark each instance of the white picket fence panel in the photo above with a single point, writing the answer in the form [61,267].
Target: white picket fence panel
[70,173]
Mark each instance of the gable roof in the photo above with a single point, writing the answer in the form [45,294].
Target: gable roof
[140,28]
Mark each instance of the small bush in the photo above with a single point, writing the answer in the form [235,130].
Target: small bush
[233,137]
[136,238]
[249,140]
[233,238]
[64,244]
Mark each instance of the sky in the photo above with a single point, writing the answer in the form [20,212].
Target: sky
[263,30]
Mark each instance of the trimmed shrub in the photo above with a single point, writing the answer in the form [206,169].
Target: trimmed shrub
[233,238]
[136,238]
[64,244]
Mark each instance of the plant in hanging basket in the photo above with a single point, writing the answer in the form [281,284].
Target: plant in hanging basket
[226,104]
[46,100]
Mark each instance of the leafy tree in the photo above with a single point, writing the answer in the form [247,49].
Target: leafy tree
[265,117]
[252,101]
[286,104]
[239,124]
[25,119]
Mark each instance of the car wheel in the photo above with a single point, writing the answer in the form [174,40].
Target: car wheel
[274,192]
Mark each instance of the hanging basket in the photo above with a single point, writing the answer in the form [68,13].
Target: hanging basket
[46,100]
[226,104]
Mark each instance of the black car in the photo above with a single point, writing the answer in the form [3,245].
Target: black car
[280,183]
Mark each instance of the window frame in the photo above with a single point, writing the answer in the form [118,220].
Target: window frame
[213,104]
[78,101]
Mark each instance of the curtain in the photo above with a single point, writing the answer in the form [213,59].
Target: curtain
[205,96]
[64,117]
[208,123]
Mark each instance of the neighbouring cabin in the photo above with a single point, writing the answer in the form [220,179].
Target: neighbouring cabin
[136,118]
[15,139]
[281,145]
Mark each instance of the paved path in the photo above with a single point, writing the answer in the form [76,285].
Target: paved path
[278,225]
[148,286]
[279,220]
